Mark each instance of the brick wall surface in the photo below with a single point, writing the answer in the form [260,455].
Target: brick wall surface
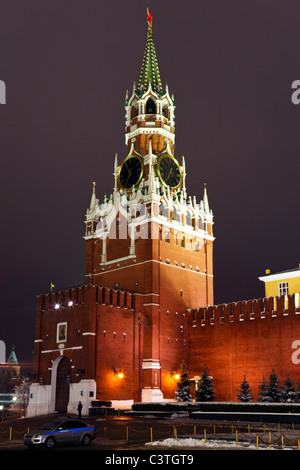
[251,338]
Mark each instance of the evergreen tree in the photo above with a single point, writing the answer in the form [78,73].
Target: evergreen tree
[182,392]
[297,395]
[288,393]
[205,391]
[274,391]
[245,391]
[263,396]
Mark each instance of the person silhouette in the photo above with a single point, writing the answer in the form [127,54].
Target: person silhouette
[79,408]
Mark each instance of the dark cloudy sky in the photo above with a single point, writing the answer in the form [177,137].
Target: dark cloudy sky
[67,65]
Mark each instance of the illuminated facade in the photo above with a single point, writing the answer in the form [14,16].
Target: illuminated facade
[147,302]
[281,283]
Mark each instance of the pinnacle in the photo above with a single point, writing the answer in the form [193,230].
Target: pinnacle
[150,71]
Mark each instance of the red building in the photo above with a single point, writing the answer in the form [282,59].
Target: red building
[148,283]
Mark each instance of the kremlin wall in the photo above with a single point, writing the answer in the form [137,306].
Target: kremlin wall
[250,337]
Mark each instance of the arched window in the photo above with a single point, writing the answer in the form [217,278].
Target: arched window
[200,223]
[163,210]
[189,218]
[150,106]
[176,216]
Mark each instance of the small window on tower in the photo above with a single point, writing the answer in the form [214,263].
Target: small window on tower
[189,218]
[200,223]
[283,288]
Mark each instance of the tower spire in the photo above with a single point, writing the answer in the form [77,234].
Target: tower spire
[150,71]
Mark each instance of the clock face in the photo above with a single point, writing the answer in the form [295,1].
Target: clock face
[131,171]
[169,171]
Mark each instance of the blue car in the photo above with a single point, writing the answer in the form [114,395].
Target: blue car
[69,431]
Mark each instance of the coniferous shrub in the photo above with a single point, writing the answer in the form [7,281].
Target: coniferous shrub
[288,393]
[274,391]
[205,391]
[263,396]
[245,391]
[182,392]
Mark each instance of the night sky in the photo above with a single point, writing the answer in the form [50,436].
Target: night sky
[67,65]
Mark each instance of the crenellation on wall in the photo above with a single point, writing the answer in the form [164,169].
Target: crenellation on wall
[116,297]
[246,310]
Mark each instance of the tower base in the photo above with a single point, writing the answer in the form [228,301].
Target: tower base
[152,395]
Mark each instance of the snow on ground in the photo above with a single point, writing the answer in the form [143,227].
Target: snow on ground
[210,444]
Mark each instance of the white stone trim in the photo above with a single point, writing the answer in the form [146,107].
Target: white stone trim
[147,130]
[64,349]
[280,276]
[149,261]
[122,403]
[39,400]
[81,392]
[151,364]
[152,395]
[150,293]
[117,260]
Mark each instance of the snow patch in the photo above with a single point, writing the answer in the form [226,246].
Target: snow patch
[210,444]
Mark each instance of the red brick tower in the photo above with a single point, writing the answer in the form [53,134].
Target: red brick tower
[149,237]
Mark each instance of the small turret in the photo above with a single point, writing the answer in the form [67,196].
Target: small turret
[205,200]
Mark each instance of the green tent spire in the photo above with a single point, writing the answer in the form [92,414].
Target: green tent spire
[12,357]
[150,72]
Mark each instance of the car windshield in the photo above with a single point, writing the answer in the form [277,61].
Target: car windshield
[51,425]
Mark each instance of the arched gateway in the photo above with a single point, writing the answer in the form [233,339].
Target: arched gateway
[60,383]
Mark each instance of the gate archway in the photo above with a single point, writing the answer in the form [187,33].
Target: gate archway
[62,393]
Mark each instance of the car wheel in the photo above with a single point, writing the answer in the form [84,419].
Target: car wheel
[86,440]
[50,442]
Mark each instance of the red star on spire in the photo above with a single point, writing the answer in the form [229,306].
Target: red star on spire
[149,17]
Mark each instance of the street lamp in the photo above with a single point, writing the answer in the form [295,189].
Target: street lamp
[176,375]
[119,373]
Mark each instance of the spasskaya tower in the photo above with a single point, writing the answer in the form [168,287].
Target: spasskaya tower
[122,335]
[149,237]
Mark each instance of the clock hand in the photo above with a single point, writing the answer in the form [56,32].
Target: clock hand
[129,173]
[169,173]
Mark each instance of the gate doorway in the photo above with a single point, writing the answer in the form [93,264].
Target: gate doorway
[62,385]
